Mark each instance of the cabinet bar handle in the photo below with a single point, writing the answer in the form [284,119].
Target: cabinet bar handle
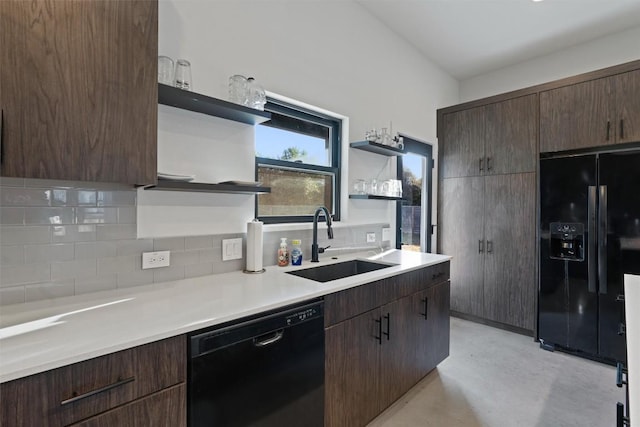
[489,246]
[620,373]
[118,383]
[621,128]
[435,276]
[379,337]
[489,165]
[388,333]
[481,164]
[608,129]
[480,246]
[426,308]
[2,136]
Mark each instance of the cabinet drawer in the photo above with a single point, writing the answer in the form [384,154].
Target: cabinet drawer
[345,304]
[75,392]
[165,408]
[419,280]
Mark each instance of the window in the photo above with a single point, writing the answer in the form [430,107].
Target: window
[298,156]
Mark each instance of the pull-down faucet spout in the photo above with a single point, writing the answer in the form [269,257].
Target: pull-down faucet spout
[315,250]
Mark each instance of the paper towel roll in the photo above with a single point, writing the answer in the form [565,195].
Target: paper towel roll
[254,246]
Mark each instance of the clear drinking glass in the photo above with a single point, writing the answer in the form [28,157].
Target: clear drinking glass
[165,70]
[183,75]
[238,89]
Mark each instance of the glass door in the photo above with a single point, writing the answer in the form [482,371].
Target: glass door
[413,218]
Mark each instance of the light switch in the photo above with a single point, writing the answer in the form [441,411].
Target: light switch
[231,249]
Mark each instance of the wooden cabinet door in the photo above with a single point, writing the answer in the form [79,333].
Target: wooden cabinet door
[462,231]
[577,116]
[165,408]
[512,135]
[435,348]
[509,267]
[79,90]
[351,371]
[627,89]
[462,143]
[400,336]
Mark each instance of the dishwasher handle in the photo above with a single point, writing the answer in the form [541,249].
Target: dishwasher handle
[275,337]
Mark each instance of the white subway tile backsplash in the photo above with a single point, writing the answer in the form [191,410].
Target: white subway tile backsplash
[118,264]
[35,254]
[23,274]
[13,295]
[18,235]
[198,242]
[169,244]
[35,216]
[136,278]
[11,216]
[185,258]
[133,246]
[73,233]
[127,215]
[43,291]
[116,198]
[197,270]
[16,196]
[11,255]
[78,269]
[62,238]
[167,274]
[11,182]
[115,231]
[96,215]
[92,250]
[96,284]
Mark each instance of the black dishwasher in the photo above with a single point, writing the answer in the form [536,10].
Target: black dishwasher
[265,371]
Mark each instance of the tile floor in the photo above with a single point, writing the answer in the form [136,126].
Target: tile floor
[495,378]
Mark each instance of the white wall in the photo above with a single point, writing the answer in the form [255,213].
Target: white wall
[331,54]
[600,53]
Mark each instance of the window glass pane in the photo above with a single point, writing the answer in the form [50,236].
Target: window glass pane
[411,201]
[304,142]
[294,192]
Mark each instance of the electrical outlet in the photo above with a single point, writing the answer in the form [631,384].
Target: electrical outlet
[386,234]
[155,259]
[231,249]
[371,237]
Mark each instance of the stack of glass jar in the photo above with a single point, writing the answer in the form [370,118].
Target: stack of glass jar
[373,187]
[246,91]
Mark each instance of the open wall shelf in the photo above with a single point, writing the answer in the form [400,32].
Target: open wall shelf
[373,197]
[207,188]
[374,147]
[192,101]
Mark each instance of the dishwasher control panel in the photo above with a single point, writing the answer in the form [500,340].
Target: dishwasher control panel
[304,315]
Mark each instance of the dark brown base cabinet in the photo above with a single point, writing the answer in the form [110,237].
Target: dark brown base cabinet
[141,386]
[381,339]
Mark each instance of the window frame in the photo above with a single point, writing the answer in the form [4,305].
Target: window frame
[335,125]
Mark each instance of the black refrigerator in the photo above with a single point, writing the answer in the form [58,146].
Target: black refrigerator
[589,238]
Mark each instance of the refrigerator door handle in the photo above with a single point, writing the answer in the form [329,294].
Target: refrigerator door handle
[592,241]
[602,240]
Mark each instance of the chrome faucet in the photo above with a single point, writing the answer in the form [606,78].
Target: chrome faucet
[315,250]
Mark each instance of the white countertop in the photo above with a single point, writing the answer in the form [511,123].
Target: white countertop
[632,321]
[43,335]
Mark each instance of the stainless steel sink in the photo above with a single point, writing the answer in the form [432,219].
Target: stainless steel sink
[340,270]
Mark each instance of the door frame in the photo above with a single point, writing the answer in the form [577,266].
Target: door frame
[425,149]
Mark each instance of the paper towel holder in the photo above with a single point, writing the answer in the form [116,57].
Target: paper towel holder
[254,272]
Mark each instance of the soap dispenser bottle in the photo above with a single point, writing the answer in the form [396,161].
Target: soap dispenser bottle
[283,253]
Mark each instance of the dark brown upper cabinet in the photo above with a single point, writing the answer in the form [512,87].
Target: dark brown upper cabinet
[593,113]
[493,139]
[78,90]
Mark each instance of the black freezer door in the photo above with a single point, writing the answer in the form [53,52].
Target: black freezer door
[619,224]
[568,300]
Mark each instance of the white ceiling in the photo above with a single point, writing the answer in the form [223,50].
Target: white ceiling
[472,37]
